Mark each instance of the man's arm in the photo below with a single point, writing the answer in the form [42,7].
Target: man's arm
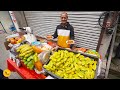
[72,36]
[55,35]
[72,33]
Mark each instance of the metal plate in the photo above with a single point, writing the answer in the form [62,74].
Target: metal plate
[86,55]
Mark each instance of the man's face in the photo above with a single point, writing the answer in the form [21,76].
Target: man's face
[64,18]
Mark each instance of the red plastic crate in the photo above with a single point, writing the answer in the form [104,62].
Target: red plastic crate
[23,71]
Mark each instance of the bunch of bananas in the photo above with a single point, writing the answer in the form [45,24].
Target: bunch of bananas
[27,55]
[25,51]
[30,61]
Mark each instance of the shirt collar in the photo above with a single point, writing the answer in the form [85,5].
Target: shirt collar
[65,25]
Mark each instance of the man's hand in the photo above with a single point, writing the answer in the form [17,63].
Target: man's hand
[70,42]
[49,37]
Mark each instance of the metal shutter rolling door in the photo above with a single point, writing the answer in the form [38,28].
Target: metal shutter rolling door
[86,28]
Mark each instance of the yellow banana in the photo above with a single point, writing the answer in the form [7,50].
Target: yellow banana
[22,46]
[25,49]
[23,54]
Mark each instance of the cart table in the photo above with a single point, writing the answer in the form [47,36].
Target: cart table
[23,72]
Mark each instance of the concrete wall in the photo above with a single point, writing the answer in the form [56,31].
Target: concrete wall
[6,20]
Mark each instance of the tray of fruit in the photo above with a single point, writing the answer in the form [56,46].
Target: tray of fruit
[65,64]
[81,52]
[92,53]
[15,40]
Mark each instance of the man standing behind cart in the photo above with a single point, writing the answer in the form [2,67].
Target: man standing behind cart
[64,32]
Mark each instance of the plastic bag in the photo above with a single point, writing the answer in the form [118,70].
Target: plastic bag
[63,36]
[117,55]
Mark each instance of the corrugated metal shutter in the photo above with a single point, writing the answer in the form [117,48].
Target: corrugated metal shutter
[87,30]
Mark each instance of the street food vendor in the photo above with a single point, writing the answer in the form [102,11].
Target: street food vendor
[64,32]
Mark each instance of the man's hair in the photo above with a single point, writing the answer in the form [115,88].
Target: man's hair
[64,13]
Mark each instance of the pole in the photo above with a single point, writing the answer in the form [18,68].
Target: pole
[111,49]
[3,27]
[110,54]
[12,16]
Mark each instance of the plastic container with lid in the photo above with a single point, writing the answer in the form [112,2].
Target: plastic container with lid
[37,43]
[44,56]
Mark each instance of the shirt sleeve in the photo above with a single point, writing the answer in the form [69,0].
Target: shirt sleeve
[55,35]
[72,33]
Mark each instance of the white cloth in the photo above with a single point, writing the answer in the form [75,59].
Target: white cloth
[63,32]
[99,67]
[49,77]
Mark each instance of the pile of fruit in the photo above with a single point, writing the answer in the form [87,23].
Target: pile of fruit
[93,52]
[16,40]
[69,65]
[81,49]
[28,56]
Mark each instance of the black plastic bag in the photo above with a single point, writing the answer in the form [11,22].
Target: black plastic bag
[117,55]
[1,75]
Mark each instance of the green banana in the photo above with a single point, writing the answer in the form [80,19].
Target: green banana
[23,54]
[35,57]
[26,62]
[30,58]
[24,58]
[31,67]
[30,63]
[29,54]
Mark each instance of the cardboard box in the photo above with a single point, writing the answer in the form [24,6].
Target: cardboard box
[6,43]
